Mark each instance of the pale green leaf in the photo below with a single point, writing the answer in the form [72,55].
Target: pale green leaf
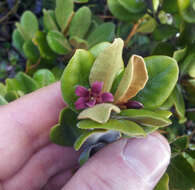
[99,113]
[107,65]
[124,126]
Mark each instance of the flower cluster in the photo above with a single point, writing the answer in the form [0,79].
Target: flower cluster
[90,97]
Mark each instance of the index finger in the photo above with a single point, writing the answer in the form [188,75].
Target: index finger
[25,125]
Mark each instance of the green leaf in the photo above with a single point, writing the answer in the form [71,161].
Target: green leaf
[149,130]
[64,11]
[3,89]
[124,126]
[28,26]
[186,9]
[179,104]
[76,73]
[133,6]
[65,133]
[80,23]
[99,113]
[191,70]
[163,113]
[164,32]
[163,184]
[57,72]
[98,48]
[134,79]
[81,1]
[11,96]
[27,83]
[163,74]
[148,25]
[146,117]
[78,43]
[44,77]
[179,54]
[163,48]
[191,153]
[188,61]
[180,144]
[31,51]
[120,12]
[3,101]
[12,85]
[181,174]
[58,43]
[170,6]
[107,65]
[81,140]
[41,42]
[18,40]
[104,32]
[155,4]
[49,20]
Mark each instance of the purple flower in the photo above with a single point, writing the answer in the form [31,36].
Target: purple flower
[91,97]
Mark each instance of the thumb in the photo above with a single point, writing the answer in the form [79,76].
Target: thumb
[128,164]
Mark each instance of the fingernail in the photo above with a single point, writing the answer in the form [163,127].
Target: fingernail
[148,157]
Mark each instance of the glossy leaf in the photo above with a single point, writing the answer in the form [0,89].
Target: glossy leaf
[188,61]
[12,85]
[80,23]
[28,26]
[179,104]
[146,117]
[18,40]
[64,11]
[164,32]
[98,48]
[65,133]
[155,4]
[149,130]
[44,77]
[99,113]
[163,74]
[124,126]
[76,73]
[163,113]
[41,42]
[3,101]
[148,25]
[49,20]
[133,6]
[11,96]
[81,140]
[180,54]
[31,51]
[170,6]
[104,32]
[180,144]
[134,79]
[181,174]
[186,10]
[78,43]
[163,184]
[108,63]
[120,12]
[27,83]
[58,43]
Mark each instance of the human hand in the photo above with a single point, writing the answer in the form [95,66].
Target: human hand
[29,161]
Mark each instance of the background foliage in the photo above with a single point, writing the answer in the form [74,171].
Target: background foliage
[33,56]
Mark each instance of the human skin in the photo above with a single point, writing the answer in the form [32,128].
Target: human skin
[29,161]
